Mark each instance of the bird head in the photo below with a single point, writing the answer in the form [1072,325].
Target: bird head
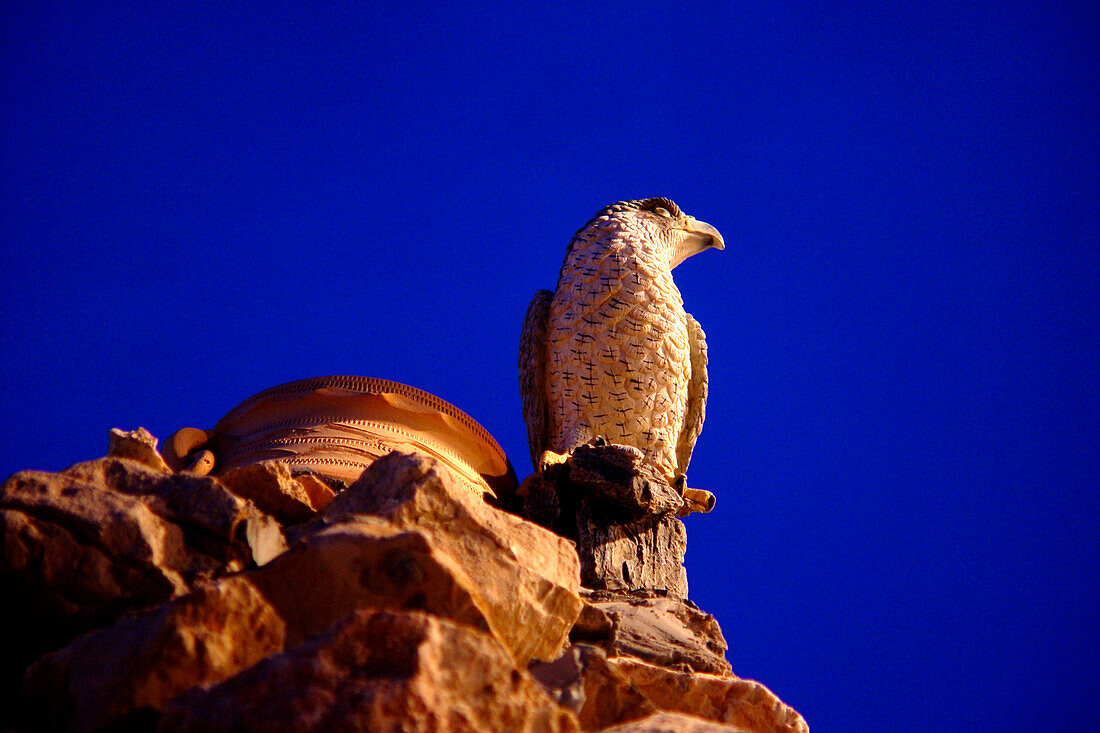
[660,224]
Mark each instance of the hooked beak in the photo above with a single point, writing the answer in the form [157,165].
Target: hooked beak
[702,229]
[698,236]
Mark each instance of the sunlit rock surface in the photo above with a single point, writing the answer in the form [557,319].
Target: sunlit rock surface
[264,599]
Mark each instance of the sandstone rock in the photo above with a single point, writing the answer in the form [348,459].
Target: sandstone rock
[620,486]
[739,702]
[81,547]
[528,578]
[621,513]
[144,662]
[272,488]
[666,722]
[406,603]
[120,677]
[378,670]
[644,555]
[137,445]
[85,553]
[366,562]
[662,630]
[263,537]
[319,489]
[581,680]
[213,519]
[63,574]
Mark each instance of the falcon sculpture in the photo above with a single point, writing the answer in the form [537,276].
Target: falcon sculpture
[611,352]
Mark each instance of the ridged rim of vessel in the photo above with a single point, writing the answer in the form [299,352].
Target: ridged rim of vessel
[374,385]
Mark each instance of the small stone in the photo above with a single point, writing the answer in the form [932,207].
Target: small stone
[319,491]
[137,445]
[264,538]
[272,488]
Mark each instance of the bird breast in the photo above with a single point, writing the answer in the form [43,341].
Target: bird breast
[619,361]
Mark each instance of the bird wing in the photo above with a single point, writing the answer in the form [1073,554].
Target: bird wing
[532,373]
[697,395]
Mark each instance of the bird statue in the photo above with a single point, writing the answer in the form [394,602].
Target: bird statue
[611,353]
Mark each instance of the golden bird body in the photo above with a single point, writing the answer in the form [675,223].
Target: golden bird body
[612,352]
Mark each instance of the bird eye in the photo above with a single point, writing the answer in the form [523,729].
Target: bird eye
[662,211]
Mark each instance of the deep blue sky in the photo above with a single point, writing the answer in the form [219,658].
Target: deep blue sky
[199,203]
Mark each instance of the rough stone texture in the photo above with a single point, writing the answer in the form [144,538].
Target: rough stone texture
[367,562]
[319,489]
[662,630]
[605,691]
[67,568]
[81,547]
[214,521]
[528,577]
[120,677]
[137,445]
[666,722]
[620,512]
[739,702]
[326,576]
[581,680]
[378,670]
[271,487]
[407,603]
[619,485]
[83,553]
[642,555]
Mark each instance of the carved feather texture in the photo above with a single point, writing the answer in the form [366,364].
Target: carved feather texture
[620,357]
[532,372]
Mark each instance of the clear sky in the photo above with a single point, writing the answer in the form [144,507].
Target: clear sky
[203,200]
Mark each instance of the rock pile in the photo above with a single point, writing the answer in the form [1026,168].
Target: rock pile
[149,599]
